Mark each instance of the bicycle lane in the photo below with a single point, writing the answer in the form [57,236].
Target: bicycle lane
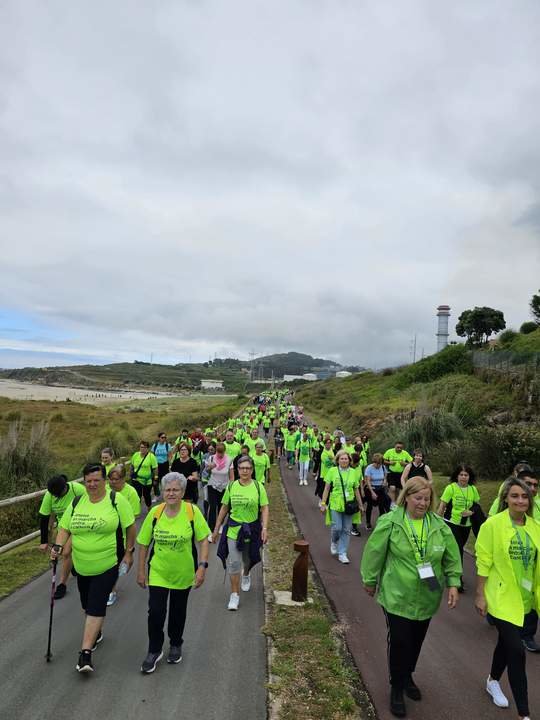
[456,656]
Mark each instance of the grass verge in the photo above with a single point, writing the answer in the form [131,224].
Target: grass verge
[20,565]
[310,677]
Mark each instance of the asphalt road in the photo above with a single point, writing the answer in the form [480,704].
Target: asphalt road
[222,675]
[456,656]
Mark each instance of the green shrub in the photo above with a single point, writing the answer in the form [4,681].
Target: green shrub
[507,337]
[426,431]
[13,416]
[122,441]
[57,418]
[453,359]
[528,327]
[25,459]
[491,451]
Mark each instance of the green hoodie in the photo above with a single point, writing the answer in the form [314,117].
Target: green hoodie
[389,561]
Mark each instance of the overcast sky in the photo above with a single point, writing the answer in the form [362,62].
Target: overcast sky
[197,178]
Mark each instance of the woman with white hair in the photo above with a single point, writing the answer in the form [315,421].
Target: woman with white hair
[172,529]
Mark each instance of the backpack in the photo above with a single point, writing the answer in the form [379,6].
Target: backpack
[189,511]
[167,444]
[120,548]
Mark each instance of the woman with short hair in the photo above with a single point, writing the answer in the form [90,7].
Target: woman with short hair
[96,522]
[171,529]
[376,492]
[246,503]
[342,485]
[187,466]
[410,556]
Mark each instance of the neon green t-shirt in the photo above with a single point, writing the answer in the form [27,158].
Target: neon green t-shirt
[93,530]
[243,502]
[267,422]
[462,499]
[262,464]
[232,450]
[146,469]
[523,553]
[172,563]
[129,492]
[57,506]
[290,440]
[304,449]
[351,480]
[327,462]
[397,460]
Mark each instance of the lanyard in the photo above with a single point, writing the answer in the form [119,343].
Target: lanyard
[419,543]
[464,495]
[525,552]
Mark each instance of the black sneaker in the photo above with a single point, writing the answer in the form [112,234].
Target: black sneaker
[175,654]
[412,690]
[97,640]
[60,591]
[397,703]
[530,644]
[150,662]
[85,662]
[355,532]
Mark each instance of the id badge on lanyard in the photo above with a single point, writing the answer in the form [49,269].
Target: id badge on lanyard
[427,575]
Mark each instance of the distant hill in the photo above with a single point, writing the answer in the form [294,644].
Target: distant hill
[234,373]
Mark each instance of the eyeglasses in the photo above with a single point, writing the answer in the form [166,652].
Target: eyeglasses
[246,468]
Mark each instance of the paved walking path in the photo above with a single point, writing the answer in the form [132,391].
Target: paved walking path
[222,674]
[456,655]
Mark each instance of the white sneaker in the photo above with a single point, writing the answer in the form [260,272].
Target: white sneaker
[112,599]
[234,601]
[300,482]
[494,689]
[246,583]
[333,548]
[343,558]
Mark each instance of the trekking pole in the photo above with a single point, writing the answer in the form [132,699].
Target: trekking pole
[48,656]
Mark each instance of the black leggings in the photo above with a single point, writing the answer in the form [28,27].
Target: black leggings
[214,504]
[405,638]
[382,502]
[143,491]
[157,611]
[461,534]
[510,653]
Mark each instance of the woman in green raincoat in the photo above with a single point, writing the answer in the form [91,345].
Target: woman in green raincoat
[409,558]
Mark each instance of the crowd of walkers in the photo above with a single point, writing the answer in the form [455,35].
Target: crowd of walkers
[203,488]
[416,549]
[209,488]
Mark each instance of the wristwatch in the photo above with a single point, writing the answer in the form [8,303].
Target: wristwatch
[203,564]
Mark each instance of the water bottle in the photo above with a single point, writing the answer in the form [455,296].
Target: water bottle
[122,570]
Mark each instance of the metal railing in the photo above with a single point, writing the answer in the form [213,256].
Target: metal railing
[8,502]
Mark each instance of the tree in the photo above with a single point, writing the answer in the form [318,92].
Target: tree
[528,327]
[535,307]
[478,324]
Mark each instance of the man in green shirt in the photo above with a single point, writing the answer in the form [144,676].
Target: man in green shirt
[57,499]
[232,448]
[395,460]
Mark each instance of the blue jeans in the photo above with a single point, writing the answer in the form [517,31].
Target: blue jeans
[341,530]
[290,457]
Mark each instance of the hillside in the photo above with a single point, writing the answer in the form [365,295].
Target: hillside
[525,343]
[443,404]
[138,375]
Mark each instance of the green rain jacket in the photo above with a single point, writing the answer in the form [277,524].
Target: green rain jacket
[389,561]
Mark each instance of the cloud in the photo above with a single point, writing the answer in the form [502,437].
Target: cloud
[188,178]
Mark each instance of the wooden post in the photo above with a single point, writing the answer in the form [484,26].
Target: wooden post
[300,572]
